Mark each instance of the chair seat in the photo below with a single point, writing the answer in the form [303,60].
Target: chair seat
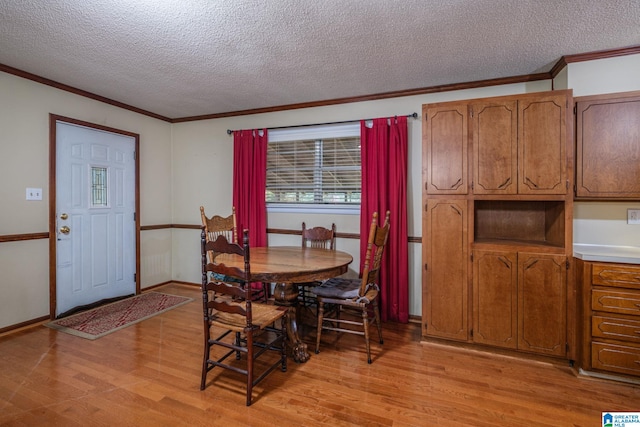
[345,289]
[338,288]
[263,316]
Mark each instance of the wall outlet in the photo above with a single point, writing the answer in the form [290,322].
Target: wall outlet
[34,193]
[633,216]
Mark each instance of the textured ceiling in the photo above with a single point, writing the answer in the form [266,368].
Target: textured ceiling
[183,58]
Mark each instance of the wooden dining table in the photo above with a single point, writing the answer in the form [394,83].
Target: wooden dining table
[286,266]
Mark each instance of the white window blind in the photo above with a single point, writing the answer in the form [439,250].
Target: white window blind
[317,166]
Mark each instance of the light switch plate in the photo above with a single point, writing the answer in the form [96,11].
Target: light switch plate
[34,193]
[633,216]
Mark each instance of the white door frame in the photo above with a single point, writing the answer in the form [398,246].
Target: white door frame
[53,118]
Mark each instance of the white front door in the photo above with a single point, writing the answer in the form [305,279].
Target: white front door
[95,216]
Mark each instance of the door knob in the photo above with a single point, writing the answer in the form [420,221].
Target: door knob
[64,216]
[64,229]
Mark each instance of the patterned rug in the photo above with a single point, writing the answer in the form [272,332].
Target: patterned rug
[103,320]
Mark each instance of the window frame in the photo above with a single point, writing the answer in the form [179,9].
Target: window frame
[314,132]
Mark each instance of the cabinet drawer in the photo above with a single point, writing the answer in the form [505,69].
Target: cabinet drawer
[616,328]
[616,275]
[615,301]
[616,358]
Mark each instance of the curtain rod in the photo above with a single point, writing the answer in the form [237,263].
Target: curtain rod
[413,115]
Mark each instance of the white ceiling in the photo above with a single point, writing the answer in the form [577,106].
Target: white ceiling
[183,58]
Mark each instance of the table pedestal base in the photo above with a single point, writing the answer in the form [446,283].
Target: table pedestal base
[286,294]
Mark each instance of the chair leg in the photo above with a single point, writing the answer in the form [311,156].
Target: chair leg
[376,313]
[207,349]
[249,366]
[365,324]
[320,317]
[283,350]
[237,343]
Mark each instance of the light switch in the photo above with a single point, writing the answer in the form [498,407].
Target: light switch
[633,216]
[34,193]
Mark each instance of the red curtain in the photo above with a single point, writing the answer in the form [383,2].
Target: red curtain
[249,184]
[384,188]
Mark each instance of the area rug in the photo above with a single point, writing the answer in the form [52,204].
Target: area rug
[100,321]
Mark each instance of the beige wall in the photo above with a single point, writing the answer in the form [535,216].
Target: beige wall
[187,165]
[24,129]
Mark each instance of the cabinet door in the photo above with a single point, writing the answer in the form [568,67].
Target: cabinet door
[542,303]
[608,148]
[542,145]
[445,292]
[495,310]
[495,153]
[445,149]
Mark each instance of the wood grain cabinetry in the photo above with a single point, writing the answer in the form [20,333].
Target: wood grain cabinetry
[445,293]
[510,209]
[520,300]
[608,146]
[445,152]
[519,146]
[611,316]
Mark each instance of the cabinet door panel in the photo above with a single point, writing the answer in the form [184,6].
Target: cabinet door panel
[495,309]
[617,358]
[494,135]
[542,151]
[542,303]
[446,146]
[608,148]
[446,287]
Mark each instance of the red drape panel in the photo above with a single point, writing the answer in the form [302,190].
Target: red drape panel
[249,183]
[384,187]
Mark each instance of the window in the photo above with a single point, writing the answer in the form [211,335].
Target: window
[98,187]
[314,168]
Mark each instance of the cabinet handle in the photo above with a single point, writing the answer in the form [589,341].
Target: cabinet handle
[504,184]
[504,261]
[531,182]
[456,209]
[457,183]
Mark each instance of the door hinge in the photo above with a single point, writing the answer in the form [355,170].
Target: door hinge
[567,184]
[575,109]
[471,333]
[566,347]
[135,276]
[471,112]
[425,265]
[134,216]
[471,185]
[135,155]
[471,256]
[567,264]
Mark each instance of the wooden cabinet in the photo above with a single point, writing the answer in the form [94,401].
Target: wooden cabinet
[445,293]
[445,158]
[608,146]
[542,145]
[542,303]
[495,298]
[519,301]
[519,146]
[508,204]
[611,316]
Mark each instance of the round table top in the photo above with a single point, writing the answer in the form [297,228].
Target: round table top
[294,264]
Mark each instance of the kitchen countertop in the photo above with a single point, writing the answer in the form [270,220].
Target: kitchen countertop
[606,253]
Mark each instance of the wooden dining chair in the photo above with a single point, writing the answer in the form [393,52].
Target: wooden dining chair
[357,297]
[227,226]
[247,330]
[316,237]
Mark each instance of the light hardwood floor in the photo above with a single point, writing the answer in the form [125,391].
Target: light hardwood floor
[149,375]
